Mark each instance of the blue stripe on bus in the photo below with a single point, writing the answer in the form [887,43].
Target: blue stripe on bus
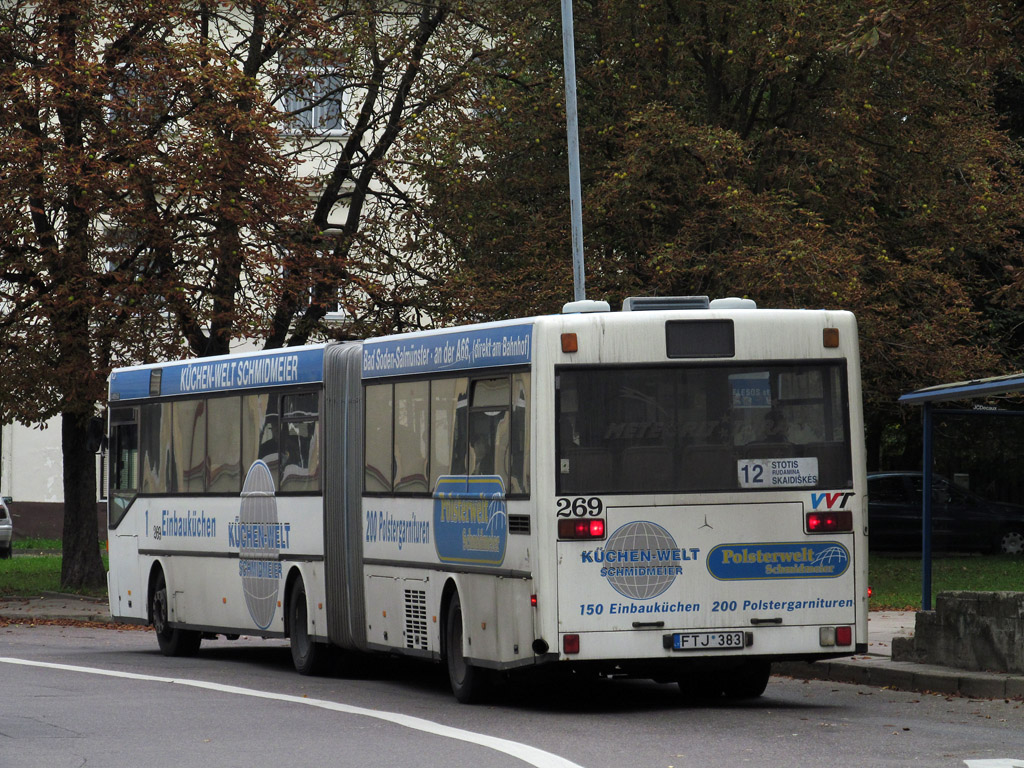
[455,351]
[223,374]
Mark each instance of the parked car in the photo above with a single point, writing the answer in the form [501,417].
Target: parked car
[6,529]
[961,520]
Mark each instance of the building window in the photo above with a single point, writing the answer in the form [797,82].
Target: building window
[316,103]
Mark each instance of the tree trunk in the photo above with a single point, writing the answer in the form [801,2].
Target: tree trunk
[81,566]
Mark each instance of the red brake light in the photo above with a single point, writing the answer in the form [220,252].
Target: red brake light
[581,529]
[844,635]
[830,522]
[570,643]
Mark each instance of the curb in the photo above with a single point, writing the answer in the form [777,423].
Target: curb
[881,672]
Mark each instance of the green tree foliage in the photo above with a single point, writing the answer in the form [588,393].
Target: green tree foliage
[802,153]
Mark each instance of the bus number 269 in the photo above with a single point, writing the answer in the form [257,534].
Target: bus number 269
[580,507]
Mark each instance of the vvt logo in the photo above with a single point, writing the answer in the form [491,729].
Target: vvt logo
[830,500]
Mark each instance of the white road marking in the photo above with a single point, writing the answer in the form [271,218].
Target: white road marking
[524,752]
[999,762]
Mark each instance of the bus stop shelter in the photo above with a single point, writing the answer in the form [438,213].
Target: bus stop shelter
[929,398]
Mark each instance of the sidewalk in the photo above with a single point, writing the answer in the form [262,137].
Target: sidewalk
[875,668]
[55,606]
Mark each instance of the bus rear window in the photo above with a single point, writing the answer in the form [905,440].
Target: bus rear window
[723,427]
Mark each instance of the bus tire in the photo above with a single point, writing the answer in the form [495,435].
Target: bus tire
[173,641]
[747,681]
[308,656]
[468,682]
[699,685]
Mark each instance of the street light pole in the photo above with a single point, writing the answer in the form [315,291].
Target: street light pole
[572,129]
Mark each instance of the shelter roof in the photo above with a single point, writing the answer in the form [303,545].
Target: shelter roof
[963,390]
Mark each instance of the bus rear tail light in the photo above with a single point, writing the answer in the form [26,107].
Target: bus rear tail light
[829,522]
[831,636]
[570,644]
[581,529]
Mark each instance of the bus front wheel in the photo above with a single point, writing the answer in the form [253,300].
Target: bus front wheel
[308,656]
[467,681]
[172,640]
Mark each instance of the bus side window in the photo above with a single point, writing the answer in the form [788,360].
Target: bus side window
[267,441]
[224,462]
[188,446]
[519,469]
[254,409]
[378,449]
[447,428]
[412,436]
[155,438]
[124,463]
[489,428]
[300,445]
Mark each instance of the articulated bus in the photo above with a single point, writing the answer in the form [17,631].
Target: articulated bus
[674,491]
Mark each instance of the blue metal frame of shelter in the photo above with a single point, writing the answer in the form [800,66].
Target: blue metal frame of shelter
[963,390]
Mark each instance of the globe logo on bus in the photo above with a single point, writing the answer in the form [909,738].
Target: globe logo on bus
[258,554]
[644,579]
[835,556]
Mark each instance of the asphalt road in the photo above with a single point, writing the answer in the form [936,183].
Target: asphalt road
[72,696]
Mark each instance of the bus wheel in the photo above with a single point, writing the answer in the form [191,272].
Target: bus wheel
[468,682]
[747,681]
[699,685]
[172,640]
[308,656]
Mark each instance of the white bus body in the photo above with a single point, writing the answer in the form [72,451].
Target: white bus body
[677,494]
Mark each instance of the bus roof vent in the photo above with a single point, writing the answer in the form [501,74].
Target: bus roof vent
[587,305]
[733,302]
[640,303]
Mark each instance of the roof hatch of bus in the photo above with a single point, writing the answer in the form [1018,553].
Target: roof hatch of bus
[645,303]
[733,302]
[586,305]
[642,303]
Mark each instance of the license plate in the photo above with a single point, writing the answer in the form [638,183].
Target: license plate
[707,641]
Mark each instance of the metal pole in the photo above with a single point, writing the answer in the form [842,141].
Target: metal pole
[572,129]
[926,511]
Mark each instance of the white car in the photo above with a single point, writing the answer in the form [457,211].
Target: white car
[6,529]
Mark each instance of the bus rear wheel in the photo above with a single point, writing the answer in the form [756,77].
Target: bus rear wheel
[467,681]
[172,640]
[308,656]
[747,681]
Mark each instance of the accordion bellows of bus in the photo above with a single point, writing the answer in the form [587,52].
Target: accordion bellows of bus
[673,491]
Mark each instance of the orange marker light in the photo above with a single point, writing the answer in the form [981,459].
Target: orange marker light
[830,337]
[570,343]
